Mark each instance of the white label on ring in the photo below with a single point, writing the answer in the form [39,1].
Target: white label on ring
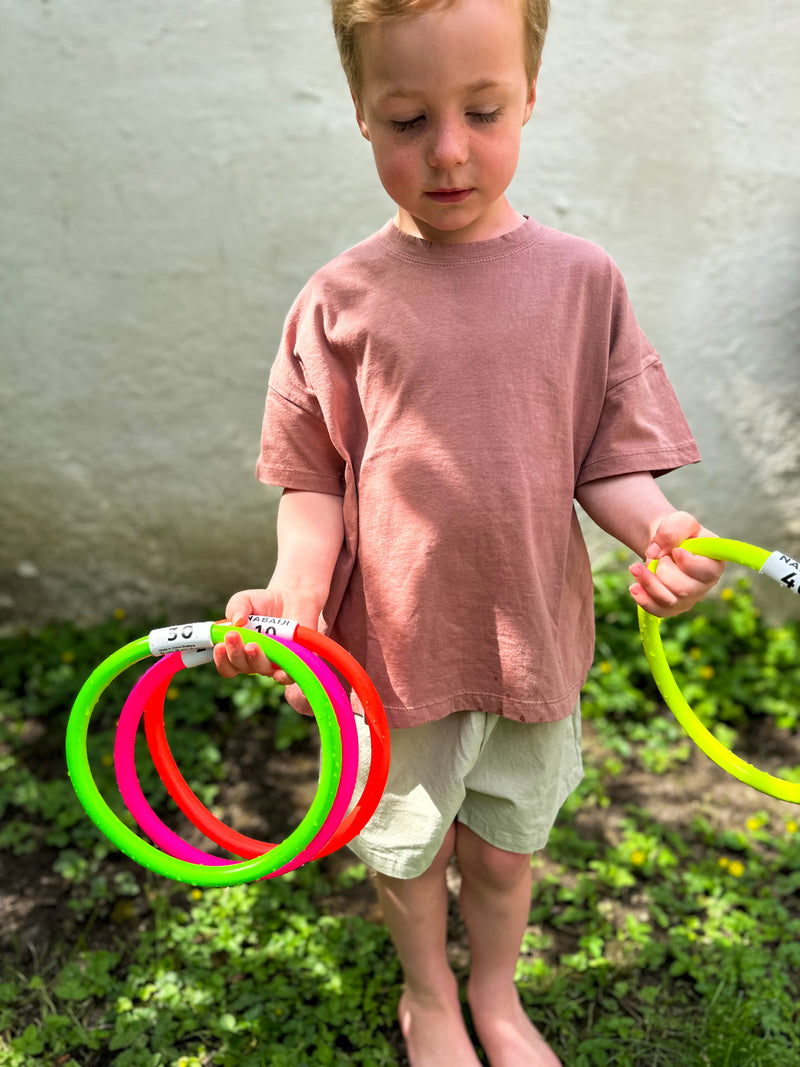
[266,624]
[191,637]
[196,659]
[784,570]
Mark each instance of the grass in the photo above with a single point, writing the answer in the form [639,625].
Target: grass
[650,942]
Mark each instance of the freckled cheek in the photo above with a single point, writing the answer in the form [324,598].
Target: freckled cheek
[501,166]
[398,173]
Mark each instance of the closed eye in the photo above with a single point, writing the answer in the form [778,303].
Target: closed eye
[407,124]
[483,117]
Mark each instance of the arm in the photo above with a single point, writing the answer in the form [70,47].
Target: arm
[310,536]
[632,508]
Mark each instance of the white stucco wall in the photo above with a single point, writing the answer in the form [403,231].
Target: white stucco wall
[172,173]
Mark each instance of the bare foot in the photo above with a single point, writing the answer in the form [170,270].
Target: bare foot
[435,1033]
[507,1035]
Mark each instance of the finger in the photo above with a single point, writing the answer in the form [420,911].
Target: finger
[645,602]
[670,585]
[230,657]
[222,663]
[663,606]
[239,609]
[671,591]
[247,658]
[683,573]
[700,568]
[672,530]
[650,590]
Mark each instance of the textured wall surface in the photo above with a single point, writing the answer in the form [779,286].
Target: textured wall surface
[171,175]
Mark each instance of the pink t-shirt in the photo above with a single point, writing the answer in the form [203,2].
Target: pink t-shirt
[455,395]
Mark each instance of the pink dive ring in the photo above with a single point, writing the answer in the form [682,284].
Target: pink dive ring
[156,680]
[216,830]
[148,694]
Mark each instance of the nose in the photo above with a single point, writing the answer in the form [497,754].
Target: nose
[449,145]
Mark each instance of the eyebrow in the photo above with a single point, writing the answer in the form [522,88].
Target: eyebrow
[400,92]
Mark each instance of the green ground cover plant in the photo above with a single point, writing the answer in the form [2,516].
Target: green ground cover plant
[660,935]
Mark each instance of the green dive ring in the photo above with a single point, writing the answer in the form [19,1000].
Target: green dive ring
[782,569]
[200,874]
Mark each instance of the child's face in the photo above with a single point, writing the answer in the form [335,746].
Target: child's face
[443,101]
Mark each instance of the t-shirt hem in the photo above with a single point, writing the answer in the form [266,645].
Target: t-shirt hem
[657,463]
[527,711]
[299,478]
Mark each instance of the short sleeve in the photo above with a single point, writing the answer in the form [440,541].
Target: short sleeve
[296,450]
[296,447]
[641,426]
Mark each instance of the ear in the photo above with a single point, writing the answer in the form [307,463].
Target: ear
[362,122]
[530,102]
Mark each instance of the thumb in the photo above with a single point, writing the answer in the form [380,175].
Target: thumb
[244,604]
[672,531]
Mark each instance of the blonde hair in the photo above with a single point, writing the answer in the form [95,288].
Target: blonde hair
[350,15]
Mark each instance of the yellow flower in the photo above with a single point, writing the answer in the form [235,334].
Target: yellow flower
[791,827]
[696,653]
[173,693]
[196,894]
[120,614]
[723,862]
[606,667]
[754,823]
[638,858]
[707,672]
[727,594]
[736,868]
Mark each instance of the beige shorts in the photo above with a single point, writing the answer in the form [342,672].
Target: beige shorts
[505,780]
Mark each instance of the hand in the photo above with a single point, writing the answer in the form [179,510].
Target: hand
[682,578]
[233,656]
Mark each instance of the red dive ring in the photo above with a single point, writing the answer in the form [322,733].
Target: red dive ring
[352,671]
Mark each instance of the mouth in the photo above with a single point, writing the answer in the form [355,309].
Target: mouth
[448,196]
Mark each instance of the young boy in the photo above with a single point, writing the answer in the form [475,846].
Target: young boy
[443,393]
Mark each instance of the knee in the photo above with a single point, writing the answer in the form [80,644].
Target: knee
[485,863]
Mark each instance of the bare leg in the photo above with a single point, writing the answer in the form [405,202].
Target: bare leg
[415,911]
[495,903]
